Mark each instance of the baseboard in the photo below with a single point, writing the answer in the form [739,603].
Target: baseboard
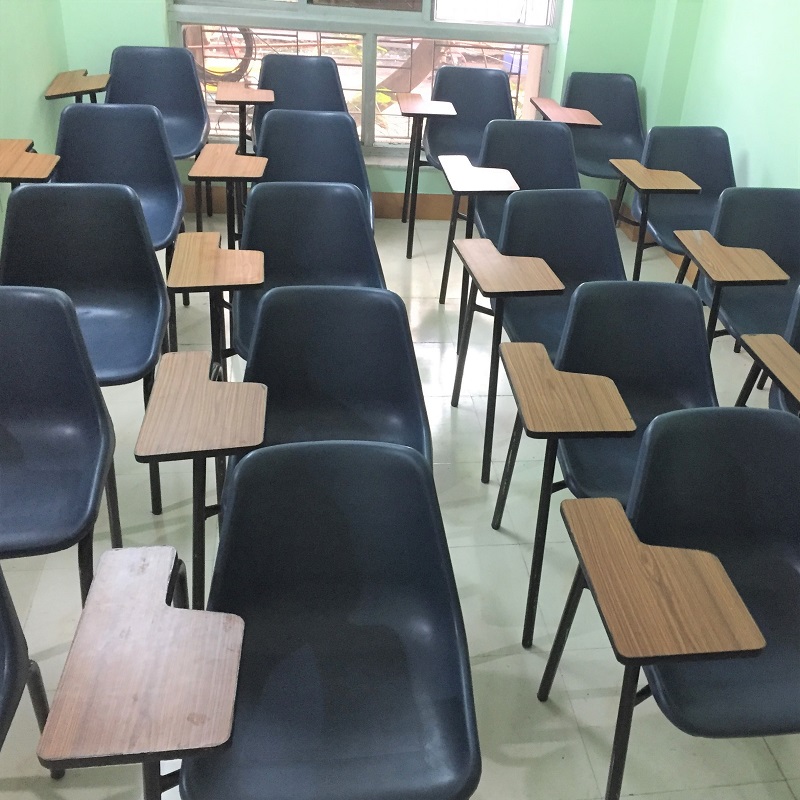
[388,205]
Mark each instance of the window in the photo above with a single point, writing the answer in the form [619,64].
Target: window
[382,47]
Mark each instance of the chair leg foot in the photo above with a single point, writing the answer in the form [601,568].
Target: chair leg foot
[622,733]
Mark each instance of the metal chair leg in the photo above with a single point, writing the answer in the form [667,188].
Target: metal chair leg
[209,199]
[86,564]
[41,708]
[622,733]
[747,386]
[466,331]
[557,650]
[112,501]
[155,474]
[180,594]
[448,253]
[508,471]
[762,381]
[684,268]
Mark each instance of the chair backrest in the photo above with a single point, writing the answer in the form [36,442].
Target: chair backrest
[164,77]
[309,83]
[612,97]
[649,338]
[48,380]
[320,146]
[702,153]
[13,660]
[479,95]
[91,242]
[340,350]
[335,556]
[539,155]
[571,229]
[767,219]
[310,234]
[127,145]
[724,480]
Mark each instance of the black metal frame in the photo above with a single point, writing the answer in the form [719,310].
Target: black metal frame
[41,708]
[415,161]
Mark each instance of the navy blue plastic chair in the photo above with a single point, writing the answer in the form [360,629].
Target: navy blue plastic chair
[354,679]
[704,155]
[308,83]
[56,438]
[766,219]
[17,670]
[164,77]
[478,95]
[724,481]
[338,363]
[649,338]
[109,271]
[127,145]
[310,234]
[614,99]
[320,146]
[539,155]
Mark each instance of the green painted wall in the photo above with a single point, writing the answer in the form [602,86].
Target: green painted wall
[32,51]
[744,78]
[93,28]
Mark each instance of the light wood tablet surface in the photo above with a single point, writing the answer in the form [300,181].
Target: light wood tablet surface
[644,179]
[462,177]
[220,162]
[497,274]
[778,357]
[735,266]
[17,163]
[200,265]
[415,105]
[76,82]
[657,602]
[189,415]
[562,403]
[237,94]
[555,112]
[142,678]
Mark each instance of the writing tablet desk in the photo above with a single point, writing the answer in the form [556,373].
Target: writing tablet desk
[554,112]
[143,682]
[19,165]
[641,591]
[220,162]
[464,179]
[237,94]
[772,353]
[727,266]
[76,83]
[192,417]
[553,405]
[647,182]
[199,265]
[418,109]
[495,276]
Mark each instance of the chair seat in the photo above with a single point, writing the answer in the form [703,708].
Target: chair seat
[184,137]
[56,463]
[593,149]
[752,309]
[539,321]
[119,336]
[489,210]
[678,212]
[744,696]
[331,703]
[454,142]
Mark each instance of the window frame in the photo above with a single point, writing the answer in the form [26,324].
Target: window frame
[367,23]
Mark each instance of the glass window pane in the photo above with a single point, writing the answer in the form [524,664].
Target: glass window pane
[234,54]
[407,64]
[502,12]
[381,5]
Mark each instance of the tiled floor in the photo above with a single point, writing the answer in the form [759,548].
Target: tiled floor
[553,751]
